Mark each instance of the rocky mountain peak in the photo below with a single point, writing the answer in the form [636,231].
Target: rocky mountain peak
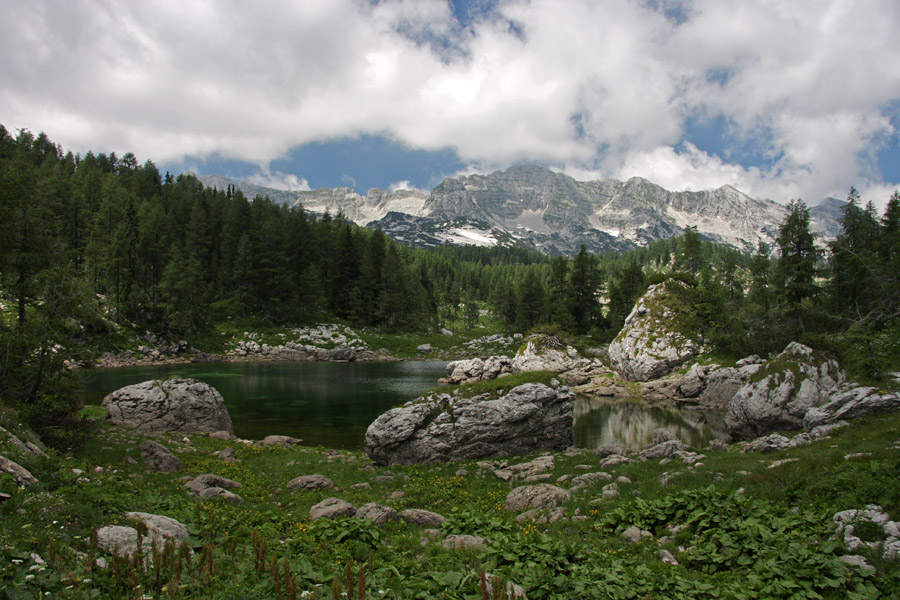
[533,206]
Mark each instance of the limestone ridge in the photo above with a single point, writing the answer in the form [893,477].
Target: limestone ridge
[532,206]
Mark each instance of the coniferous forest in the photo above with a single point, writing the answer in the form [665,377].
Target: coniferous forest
[95,243]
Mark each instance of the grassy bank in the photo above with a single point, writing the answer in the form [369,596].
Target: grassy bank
[746,530]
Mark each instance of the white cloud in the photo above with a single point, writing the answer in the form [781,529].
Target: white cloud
[404,185]
[592,87]
[280,181]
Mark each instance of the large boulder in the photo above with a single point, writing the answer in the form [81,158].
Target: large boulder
[442,427]
[649,344]
[781,392]
[176,405]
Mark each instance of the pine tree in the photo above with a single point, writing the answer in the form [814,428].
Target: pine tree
[796,269]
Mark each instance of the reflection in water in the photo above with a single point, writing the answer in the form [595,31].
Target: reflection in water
[601,422]
[332,404]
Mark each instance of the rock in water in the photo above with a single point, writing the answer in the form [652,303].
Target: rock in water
[780,393]
[178,405]
[441,427]
[649,345]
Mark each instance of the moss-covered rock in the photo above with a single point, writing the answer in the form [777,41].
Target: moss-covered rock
[656,337]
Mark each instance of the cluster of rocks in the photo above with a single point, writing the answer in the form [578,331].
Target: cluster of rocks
[886,541]
[322,343]
[443,427]
[704,386]
[154,350]
[298,351]
[540,353]
[491,341]
[27,449]
[794,389]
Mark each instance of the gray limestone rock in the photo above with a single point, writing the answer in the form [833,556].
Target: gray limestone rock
[780,393]
[648,346]
[666,449]
[635,534]
[546,353]
[888,543]
[331,508]
[176,405]
[123,539]
[220,494]
[441,427]
[589,479]
[542,495]
[21,474]
[377,513]
[459,542]
[310,482]
[422,518]
[158,457]
[851,404]
[280,440]
[208,480]
[769,443]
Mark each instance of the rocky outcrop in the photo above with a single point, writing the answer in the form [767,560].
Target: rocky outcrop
[22,475]
[850,403]
[540,353]
[546,353]
[705,386]
[173,405]
[649,345]
[442,427]
[781,392]
[322,343]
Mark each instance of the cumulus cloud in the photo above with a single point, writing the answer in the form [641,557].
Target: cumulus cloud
[603,88]
[404,185]
[280,181]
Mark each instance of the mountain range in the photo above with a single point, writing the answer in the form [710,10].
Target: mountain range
[535,207]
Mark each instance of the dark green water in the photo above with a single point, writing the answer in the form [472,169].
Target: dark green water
[328,404]
[332,404]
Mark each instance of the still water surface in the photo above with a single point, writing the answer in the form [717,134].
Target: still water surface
[332,404]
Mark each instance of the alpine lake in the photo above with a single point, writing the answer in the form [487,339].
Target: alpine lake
[331,404]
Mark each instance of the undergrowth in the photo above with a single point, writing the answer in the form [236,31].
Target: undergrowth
[737,528]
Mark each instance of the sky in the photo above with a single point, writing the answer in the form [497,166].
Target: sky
[782,100]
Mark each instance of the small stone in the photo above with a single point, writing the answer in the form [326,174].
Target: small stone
[635,534]
[459,542]
[310,482]
[667,557]
[785,461]
[280,440]
[220,494]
